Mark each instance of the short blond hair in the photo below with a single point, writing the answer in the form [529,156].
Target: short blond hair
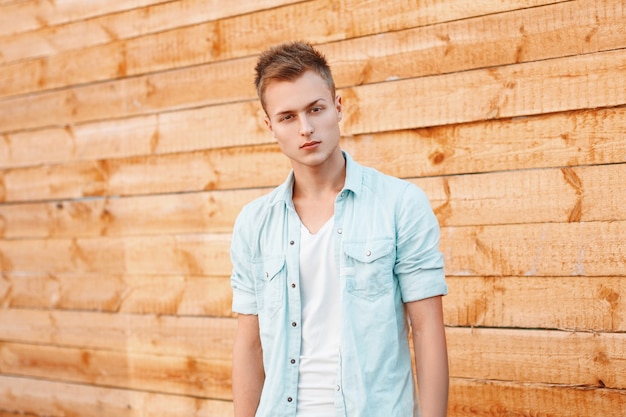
[287,62]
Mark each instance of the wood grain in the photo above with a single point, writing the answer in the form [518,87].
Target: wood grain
[187,21]
[107,26]
[572,83]
[130,138]
[496,39]
[532,356]
[540,249]
[230,81]
[543,249]
[190,254]
[585,138]
[143,334]
[570,138]
[21,16]
[118,293]
[469,398]
[57,399]
[585,303]
[210,211]
[190,376]
[577,194]
[521,356]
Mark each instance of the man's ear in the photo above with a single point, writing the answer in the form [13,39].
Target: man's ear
[338,107]
[268,123]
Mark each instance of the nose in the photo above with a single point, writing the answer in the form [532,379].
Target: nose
[306,128]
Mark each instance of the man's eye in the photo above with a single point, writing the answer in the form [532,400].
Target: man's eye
[286,118]
[316,109]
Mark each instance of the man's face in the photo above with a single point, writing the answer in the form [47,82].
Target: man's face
[303,117]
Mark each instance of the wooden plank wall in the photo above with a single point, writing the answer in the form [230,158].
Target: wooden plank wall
[130,137]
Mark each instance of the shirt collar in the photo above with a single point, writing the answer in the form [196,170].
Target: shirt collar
[354,182]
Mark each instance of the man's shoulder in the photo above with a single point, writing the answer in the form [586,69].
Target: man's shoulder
[260,206]
[374,178]
[262,202]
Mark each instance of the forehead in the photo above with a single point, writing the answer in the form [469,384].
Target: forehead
[281,96]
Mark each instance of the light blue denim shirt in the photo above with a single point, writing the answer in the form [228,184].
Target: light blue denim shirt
[386,240]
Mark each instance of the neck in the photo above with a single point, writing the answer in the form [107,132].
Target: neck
[329,177]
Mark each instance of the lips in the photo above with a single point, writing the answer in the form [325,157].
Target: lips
[309,144]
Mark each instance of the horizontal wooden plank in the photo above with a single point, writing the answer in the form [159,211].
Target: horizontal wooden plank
[205,212]
[576,138]
[183,131]
[129,294]
[56,399]
[464,44]
[159,16]
[580,82]
[16,414]
[225,168]
[567,195]
[582,138]
[448,150]
[564,139]
[521,356]
[231,80]
[205,40]
[21,16]
[590,193]
[191,254]
[496,39]
[548,249]
[198,337]
[538,356]
[585,304]
[156,373]
[470,398]
[540,249]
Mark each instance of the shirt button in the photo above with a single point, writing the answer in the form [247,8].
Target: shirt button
[293,285]
[294,324]
[343,193]
[289,399]
[292,361]
[291,242]
[338,388]
[368,253]
[340,230]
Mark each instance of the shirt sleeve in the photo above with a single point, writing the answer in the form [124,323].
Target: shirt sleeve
[419,263]
[242,278]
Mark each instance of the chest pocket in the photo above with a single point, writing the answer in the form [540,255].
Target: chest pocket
[270,273]
[368,268]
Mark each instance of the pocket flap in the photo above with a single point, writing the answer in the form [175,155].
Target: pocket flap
[368,251]
[271,266]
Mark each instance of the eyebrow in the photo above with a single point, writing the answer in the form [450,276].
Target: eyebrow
[311,104]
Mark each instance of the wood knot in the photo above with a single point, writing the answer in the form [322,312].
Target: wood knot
[437,157]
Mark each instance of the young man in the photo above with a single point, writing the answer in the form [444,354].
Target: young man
[329,266]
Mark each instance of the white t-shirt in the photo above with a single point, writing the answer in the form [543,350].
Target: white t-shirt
[319,292]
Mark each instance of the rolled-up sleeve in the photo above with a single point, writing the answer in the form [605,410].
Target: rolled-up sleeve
[419,263]
[242,278]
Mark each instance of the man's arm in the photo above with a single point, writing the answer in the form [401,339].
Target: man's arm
[248,373]
[431,355]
